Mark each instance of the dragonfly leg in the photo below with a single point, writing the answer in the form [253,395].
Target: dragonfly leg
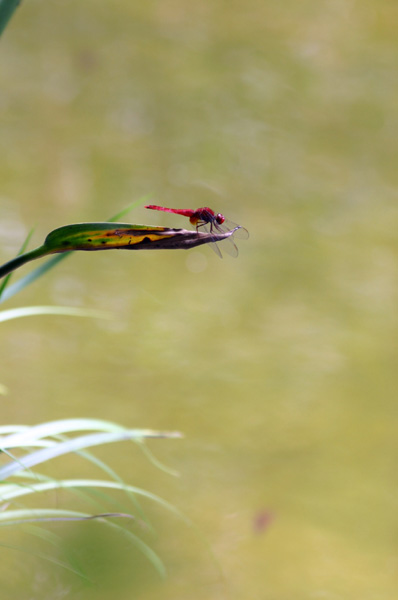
[200,224]
[207,225]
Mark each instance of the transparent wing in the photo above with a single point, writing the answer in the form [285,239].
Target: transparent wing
[208,229]
[228,244]
[239,232]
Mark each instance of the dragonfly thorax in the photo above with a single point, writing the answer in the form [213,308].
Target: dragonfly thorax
[207,215]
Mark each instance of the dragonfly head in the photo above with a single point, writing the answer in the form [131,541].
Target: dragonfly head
[220,218]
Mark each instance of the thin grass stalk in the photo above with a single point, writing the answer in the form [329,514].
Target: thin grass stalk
[7,8]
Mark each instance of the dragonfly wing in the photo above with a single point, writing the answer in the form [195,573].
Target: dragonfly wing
[239,232]
[212,227]
[208,229]
[229,245]
[216,249]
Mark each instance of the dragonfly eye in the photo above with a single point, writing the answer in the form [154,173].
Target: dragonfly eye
[220,218]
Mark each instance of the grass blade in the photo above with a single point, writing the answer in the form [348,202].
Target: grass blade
[55,540]
[39,515]
[55,428]
[31,277]
[47,557]
[85,441]
[7,8]
[10,493]
[130,207]
[21,251]
[30,311]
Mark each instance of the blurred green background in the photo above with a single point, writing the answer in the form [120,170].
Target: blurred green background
[279,367]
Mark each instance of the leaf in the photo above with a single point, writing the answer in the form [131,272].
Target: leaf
[13,491]
[29,311]
[113,236]
[128,208]
[35,515]
[54,260]
[86,441]
[6,280]
[48,557]
[24,435]
[31,277]
[124,236]
[7,8]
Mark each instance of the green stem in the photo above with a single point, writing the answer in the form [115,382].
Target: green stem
[22,259]
[7,8]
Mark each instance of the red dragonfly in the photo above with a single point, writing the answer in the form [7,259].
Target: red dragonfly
[211,222]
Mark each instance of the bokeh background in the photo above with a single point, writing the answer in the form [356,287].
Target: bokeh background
[280,367]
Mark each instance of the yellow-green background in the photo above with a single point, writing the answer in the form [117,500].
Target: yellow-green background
[279,367]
